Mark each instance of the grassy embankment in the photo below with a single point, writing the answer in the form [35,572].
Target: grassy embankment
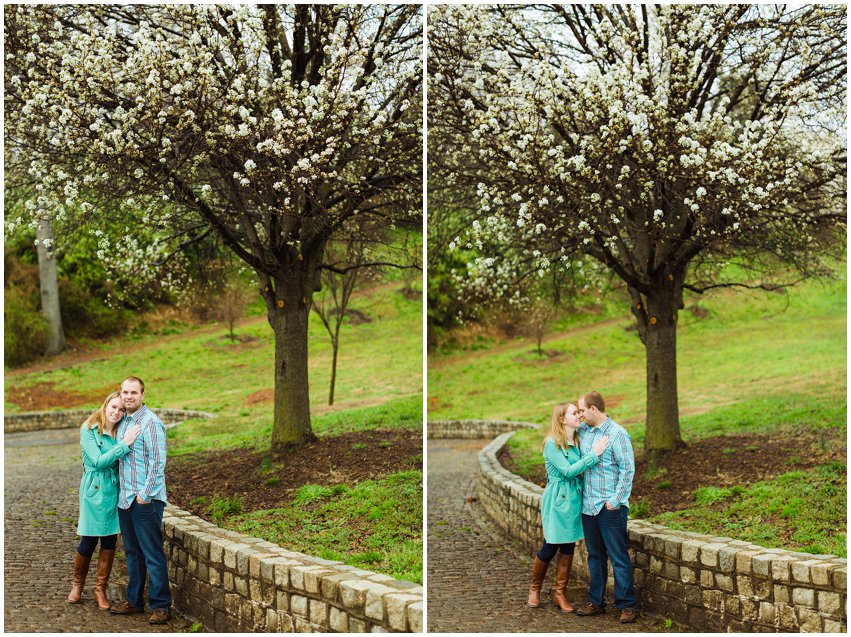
[379,385]
[757,363]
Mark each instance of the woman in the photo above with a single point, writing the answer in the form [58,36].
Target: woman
[561,504]
[99,496]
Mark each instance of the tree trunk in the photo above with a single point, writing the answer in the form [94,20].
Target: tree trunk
[292,395]
[335,346]
[49,283]
[662,433]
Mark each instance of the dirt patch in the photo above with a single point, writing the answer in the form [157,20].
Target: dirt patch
[44,396]
[722,461]
[546,357]
[250,475]
[262,396]
[356,317]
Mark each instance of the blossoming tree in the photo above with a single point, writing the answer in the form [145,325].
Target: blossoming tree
[277,127]
[662,142]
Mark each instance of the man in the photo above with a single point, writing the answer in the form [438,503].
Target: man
[605,507]
[141,500]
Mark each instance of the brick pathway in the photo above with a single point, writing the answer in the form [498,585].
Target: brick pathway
[42,478]
[478,580]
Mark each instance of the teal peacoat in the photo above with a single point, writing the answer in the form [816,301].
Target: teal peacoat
[561,504]
[99,487]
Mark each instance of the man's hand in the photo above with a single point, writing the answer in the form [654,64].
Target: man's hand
[139,500]
[610,507]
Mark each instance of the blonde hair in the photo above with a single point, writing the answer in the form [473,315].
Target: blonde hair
[557,432]
[98,418]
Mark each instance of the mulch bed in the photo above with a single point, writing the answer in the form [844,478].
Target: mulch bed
[722,461]
[345,459]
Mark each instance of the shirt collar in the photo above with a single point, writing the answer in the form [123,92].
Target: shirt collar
[135,416]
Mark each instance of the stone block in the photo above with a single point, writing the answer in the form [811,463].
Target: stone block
[727,559]
[331,585]
[243,555]
[744,560]
[232,604]
[356,625]
[724,582]
[761,564]
[697,617]
[240,584]
[374,606]
[673,546]
[733,606]
[750,610]
[782,593]
[781,569]
[302,625]
[227,581]
[282,603]
[214,576]
[656,565]
[688,575]
[820,573]
[690,550]
[804,597]
[246,612]
[833,626]
[707,578]
[397,604]
[829,603]
[692,595]
[255,589]
[801,571]
[318,612]
[809,621]
[229,555]
[672,569]
[744,584]
[338,620]
[712,599]
[415,617]
[840,579]
[298,605]
[767,613]
[353,593]
[787,620]
[709,554]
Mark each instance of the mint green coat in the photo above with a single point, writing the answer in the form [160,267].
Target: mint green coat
[561,504]
[99,487]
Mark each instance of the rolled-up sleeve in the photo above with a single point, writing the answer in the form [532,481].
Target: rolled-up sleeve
[623,455]
[555,457]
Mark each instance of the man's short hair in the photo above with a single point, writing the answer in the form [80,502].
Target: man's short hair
[594,399]
[135,380]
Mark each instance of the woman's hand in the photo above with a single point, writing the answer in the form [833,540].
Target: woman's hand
[600,446]
[131,434]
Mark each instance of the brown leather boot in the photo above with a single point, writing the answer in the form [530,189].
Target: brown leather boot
[81,569]
[562,575]
[105,559]
[539,572]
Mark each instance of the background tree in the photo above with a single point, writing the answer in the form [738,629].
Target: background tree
[664,142]
[332,302]
[274,126]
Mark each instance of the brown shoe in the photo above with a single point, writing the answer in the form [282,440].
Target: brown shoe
[539,572]
[81,570]
[589,608]
[562,575]
[629,615]
[126,608]
[105,559]
[160,616]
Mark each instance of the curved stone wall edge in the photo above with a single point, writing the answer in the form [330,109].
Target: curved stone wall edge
[701,581]
[73,418]
[236,583]
[473,428]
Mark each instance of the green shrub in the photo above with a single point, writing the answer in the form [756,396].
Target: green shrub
[26,332]
[84,314]
[220,507]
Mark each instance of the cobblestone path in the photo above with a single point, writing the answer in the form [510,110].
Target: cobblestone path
[42,478]
[478,580]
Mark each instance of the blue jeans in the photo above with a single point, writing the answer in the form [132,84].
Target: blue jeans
[548,551]
[142,532]
[605,539]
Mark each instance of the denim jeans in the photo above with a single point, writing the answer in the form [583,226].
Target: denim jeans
[605,539]
[142,532]
[88,543]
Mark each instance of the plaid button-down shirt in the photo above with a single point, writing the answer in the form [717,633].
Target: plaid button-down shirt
[142,471]
[610,480]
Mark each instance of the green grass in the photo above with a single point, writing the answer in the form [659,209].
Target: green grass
[800,510]
[375,524]
[757,363]
[223,507]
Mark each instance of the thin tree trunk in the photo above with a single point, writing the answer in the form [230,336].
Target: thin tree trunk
[292,395]
[662,432]
[335,346]
[49,283]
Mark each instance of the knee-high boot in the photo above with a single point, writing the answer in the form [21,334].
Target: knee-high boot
[539,572]
[81,569]
[562,575]
[105,559]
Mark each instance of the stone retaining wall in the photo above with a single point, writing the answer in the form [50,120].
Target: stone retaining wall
[473,428]
[701,581]
[41,420]
[235,583]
